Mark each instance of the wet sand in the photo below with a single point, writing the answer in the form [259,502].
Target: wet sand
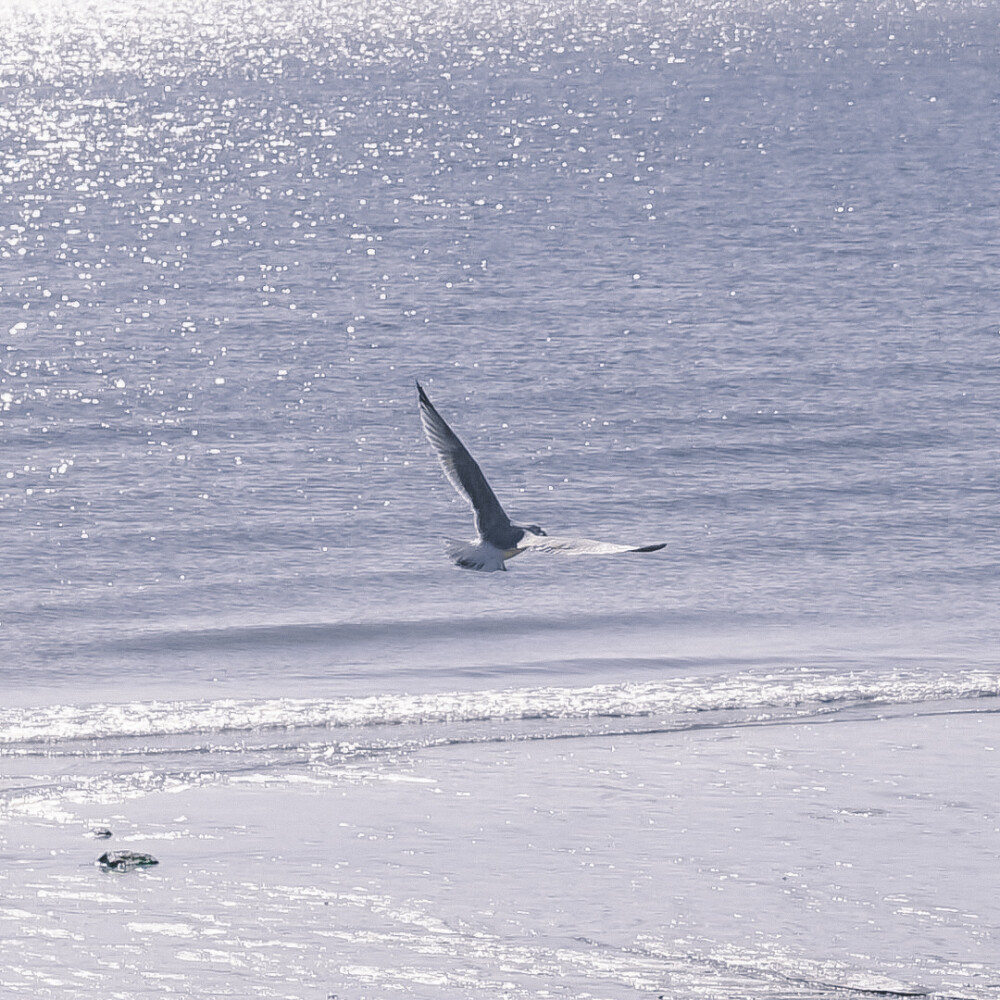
[768,860]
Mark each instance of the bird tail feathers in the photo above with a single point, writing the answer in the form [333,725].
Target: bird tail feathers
[475,555]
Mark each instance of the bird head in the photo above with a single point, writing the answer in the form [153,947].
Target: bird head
[534,529]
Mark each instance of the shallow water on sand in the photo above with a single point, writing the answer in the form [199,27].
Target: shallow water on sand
[713,275]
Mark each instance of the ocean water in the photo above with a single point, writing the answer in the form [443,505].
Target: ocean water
[721,275]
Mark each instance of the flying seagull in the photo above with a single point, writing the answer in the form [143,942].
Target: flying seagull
[497,539]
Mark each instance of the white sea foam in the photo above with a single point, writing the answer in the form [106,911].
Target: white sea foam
[802,692]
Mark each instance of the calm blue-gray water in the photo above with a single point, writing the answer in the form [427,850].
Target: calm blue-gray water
[721,275]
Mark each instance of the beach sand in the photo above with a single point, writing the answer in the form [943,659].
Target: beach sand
[763,860]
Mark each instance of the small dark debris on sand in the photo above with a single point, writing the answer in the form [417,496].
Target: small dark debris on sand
[122,861]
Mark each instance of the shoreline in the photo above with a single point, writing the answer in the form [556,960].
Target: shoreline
[802,846]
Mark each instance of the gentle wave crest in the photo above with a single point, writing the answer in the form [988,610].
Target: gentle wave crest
[801,693]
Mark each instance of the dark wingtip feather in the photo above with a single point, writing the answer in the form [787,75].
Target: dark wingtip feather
[651,548]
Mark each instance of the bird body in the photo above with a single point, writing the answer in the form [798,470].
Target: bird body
[498,539]
[479,555]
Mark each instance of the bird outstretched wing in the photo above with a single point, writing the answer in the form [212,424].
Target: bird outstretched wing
[580,546]
[462,470]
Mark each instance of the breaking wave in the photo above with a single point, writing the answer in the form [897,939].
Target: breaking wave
[680,701]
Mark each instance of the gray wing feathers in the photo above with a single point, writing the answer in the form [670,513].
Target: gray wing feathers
[461,469]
